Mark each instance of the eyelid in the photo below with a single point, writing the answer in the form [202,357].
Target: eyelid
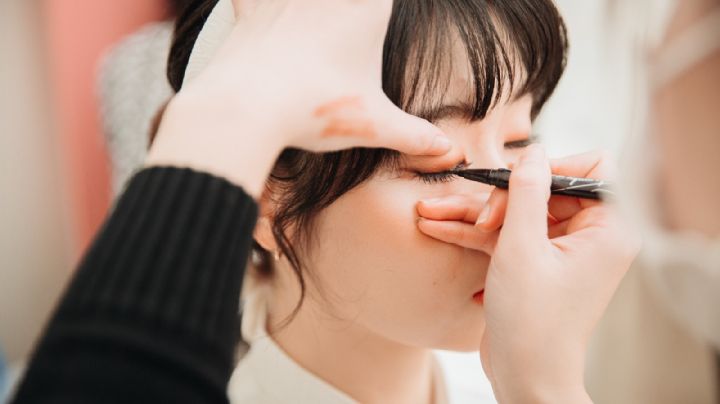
[519,144]
[462,165]
[459,166]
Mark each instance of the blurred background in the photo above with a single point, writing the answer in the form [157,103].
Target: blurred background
[81,80]
[55,173]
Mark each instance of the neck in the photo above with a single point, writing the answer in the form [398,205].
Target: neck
[358,362]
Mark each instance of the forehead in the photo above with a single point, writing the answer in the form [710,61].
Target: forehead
[459,73]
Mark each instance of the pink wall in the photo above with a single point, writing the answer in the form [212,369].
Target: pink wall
[78,32]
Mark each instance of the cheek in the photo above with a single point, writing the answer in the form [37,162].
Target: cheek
[385,273]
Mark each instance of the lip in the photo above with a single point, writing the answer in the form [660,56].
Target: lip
[479,296]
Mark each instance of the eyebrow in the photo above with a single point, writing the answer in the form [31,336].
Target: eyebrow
[460,110]
[447,111]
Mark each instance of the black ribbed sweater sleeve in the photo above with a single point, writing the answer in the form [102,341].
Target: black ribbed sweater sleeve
[151,315]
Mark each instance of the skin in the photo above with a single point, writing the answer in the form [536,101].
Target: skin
[342,118]
[394,295]
[397,293]
[556,241]
[541,301]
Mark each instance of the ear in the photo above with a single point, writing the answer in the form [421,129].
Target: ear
[263,233]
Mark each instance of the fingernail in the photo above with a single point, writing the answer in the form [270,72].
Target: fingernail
[440,144]
[484,215]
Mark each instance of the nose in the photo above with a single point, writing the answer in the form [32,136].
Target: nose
[485,152]
[482,154]
[489,153]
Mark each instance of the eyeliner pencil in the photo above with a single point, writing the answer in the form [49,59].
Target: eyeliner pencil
[569,186]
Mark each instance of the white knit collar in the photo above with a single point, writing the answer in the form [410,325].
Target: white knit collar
[217,28]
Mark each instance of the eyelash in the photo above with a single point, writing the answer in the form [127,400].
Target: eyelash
[439,177]
[520,144]
[447,176]
[434,178]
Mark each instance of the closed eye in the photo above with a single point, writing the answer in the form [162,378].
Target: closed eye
[440,177]
[434,178]
[520,144]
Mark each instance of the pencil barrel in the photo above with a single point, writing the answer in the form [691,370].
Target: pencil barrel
[579,187]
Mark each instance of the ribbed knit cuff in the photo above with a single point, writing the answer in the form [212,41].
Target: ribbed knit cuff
[171,254]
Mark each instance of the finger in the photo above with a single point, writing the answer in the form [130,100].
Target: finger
[593,164]
[558,229]
[596,216]
[454,207]
[495,210]
[398,130]
[597,226]
[563,207]
[603,229]
[493,213]
[459,233]
[591,225]
[529,191]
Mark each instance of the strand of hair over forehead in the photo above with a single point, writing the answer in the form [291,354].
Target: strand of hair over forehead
[520,42]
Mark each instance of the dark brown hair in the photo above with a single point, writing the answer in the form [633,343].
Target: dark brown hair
[520,42]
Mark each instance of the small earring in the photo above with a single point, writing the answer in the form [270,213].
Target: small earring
[277,255]
[256,258]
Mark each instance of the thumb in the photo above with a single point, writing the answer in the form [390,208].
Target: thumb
[529,191]
[406,133]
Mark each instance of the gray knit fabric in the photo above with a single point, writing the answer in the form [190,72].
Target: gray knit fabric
[132,87]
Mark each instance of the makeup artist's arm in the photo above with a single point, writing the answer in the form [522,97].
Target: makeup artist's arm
[151,314]
[548,284]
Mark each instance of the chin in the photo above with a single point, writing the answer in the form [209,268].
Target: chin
[462,346]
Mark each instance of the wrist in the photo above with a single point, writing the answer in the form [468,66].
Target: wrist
[220,137]
[541,389]
[527,377]
[548,395]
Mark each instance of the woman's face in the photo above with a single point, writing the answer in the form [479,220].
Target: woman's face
[378,271]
